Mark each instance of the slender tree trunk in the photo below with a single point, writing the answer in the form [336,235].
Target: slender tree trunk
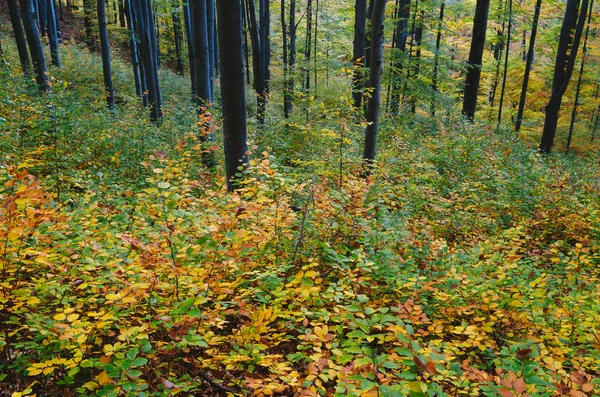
[210,30]
[307,46]
[418,39]
[190,44]
[316,43]
[358,56]
[434,84]
[245,32]
[135,61]
[198,14]
[401,35]
[105,51]
[177,38]
[35,44]
[53,33]
[87,23]
[233,91]
[563,69]
[536,17]
[475,58]
[524,46]
[580,78]
[15,20]
[291,59]
[121,13]
[372,114]
[505,62]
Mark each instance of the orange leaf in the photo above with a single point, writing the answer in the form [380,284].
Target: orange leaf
[420,363]
[521,354]
[519,385]
[430,367]
[504,392]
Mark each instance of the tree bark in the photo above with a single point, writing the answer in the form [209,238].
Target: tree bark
[401,35]
[109,90]
[35,44]
[53,33]
[505,61]
[372,113]
[233,91]
[177,38]
[475,58]
[580,78]
[358,55]
[87,23]
[15,20]
[563,68]
[536,17]
[434,85]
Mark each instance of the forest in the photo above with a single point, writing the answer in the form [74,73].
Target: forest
[294,198]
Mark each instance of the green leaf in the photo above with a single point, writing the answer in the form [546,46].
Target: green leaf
[138,362]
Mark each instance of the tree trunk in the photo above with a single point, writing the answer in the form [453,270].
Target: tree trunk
[133,47]
[35,44]
[201,56]
[579,79]
[372,113]
[210,31]
[87,23]
[109,90]
[438,40]
[563,68]
[177,37]
[233,91]
[15,20]
[536,17]
[418,39]
[53,33]
[358,55]
[505,62]
[401,35]
[307,45]
[190,44]
[475,57]
[291,60]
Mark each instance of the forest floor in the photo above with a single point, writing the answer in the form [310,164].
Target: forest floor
[466,265]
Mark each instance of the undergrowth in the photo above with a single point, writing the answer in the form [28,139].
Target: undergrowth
[467,265]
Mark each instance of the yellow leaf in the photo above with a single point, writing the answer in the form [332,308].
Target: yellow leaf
[72,317]
[91,385]
[48,370]
[59,317]
[103,378]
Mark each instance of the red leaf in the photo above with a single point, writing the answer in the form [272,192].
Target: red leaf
[420,363]
[521,354]
[519,385]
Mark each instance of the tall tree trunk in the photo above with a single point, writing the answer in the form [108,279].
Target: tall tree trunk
[505,62]
[177,38]
[233,90]
[291,60]
[190,44]
[434,85]
[35,44]
[498,51]
[246,28]
[475,57]
[372,113]
[358,55]
[536,17]
[401,35]
[109,90]
[53,33]
[210,30]
[418,39]
[524,46]
[201,56]
[87,23]
[563,68]
[315,46]
[580,78]
[133,47]
[265,55]
[15,20]
[145,24]
[307,45]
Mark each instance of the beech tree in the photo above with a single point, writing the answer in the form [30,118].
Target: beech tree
[233,89]
[53,33]
[566,54]
[376,67]
[289,55]
[475,57]
[528,63]
[35,44]
[399,44]
[15,20]
[358,55]
[109,90]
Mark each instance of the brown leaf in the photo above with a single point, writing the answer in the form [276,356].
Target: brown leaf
[577,393]
[420,363]
[521,354]
[504,392]
[519,385]
[430,367]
